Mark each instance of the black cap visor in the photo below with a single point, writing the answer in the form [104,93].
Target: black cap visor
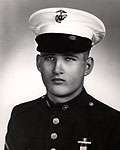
[62,43]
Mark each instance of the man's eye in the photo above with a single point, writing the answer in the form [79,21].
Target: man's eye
[70,59]
[49,58]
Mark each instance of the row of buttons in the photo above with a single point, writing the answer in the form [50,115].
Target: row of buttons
[54,135]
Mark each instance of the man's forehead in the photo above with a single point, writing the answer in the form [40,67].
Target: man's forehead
[62,54]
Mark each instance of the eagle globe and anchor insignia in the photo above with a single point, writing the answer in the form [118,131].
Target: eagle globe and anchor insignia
[61,15]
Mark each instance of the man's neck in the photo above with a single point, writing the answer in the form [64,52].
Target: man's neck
[63,99]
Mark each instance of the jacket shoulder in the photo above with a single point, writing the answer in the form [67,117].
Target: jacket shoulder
[103,108]
[29,106]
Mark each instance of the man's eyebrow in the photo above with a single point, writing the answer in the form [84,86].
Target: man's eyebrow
[62,54]
[70,54]
[47,54]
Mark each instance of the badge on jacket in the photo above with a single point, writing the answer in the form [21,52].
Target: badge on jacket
[84,144]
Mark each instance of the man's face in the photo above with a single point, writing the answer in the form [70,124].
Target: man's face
[63,74]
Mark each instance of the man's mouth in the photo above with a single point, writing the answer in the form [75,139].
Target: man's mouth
[58,80]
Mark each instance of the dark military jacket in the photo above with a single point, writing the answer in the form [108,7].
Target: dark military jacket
[80,124]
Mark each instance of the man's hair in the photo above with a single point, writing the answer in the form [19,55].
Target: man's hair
[86,54]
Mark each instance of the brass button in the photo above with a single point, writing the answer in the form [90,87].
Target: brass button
[54,136]
[91,104]
[56,121]
[53,149]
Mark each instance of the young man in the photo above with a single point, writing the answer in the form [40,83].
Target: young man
[66,118]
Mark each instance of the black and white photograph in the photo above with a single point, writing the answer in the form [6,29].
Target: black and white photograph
[59,75]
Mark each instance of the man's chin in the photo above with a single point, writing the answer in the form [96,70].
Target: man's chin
[59,92]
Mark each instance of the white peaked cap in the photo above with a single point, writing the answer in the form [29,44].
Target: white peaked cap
[67,21]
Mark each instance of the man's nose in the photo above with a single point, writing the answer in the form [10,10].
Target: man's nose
[58,67]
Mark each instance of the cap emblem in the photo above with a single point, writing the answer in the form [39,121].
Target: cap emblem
[61,15]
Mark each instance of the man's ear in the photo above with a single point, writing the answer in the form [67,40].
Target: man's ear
[38,61]
[89,66]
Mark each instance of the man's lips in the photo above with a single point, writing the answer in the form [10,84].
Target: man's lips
[58,80]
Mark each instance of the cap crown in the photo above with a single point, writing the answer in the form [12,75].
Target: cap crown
[67,21]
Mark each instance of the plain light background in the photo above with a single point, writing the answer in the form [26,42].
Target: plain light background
[19,79]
